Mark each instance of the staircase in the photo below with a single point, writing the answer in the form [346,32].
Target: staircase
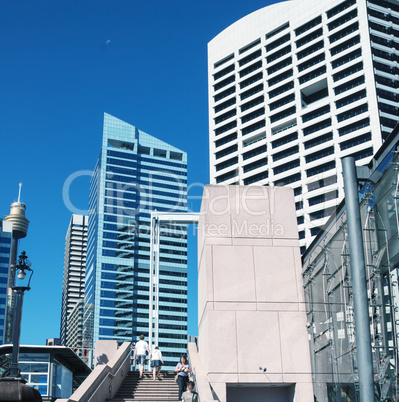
[146,390]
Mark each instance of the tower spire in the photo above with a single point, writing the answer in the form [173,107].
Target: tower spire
[19,192]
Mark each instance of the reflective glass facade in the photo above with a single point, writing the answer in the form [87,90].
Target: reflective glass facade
[328,288]
[5,248]
[134,175]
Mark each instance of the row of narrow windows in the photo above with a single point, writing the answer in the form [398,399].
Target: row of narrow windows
[286,37]
[289,73]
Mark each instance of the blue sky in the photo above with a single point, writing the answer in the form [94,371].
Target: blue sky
[65,63]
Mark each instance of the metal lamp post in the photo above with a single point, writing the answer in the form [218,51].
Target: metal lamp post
[22,268]
[13,387]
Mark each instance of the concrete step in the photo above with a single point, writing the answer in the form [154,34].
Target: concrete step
[144,389]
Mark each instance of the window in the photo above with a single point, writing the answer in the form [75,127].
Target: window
[342,20]
[288,180]
[223,72]
[365,153]
[282,102]
[355,141]
[345,45]
[252,103]
[308,38]
[284,126]
[278,42]
[225,93]
[386,81]
[252,91]
[316,113]
[297,191]
[255,165]
[284,88]
[256,178]
[347,58]
[285,140]
[320,154]
[349,85]
[160,152]
[332,195]
[249,58]
[317,127]
[251,80]
[227,163]
[176,156]
[309,50]
[350,99]
[280,77]
[348,71]
[250,69]
[254,139]
[254,152]
[357,125]
[301,234]
[309,25]
[226,176]
[226,127]
[225,60]
[278,54]
[318,140]
[344,32]
[352,112]
[320,169]
[226,151]
[253,127]
[315,231]
[340,7]
[286,166]
[249,46]
[224,83]
[283,114]
[328,181]
[312,74]
[315,60]
[277,30]
[253,115]
[286,153]
[280,65]
[225,140]
[225,105]
[225,116]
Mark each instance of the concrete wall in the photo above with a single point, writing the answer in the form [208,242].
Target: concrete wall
[250,298]
[106,378]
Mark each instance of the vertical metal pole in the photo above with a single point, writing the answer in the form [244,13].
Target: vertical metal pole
[14,370]
[10,293]
[359,284]
[156,261]
[151,283]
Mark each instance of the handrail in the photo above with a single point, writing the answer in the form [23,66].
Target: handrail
[109,374]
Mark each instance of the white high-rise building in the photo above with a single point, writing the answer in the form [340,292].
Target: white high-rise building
[298,85]
[74,280]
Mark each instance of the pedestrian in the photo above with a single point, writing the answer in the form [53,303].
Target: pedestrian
[156,362]
[190,395]
[140,351]
[182,369]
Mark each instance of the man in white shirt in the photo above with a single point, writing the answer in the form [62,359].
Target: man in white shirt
[140,351]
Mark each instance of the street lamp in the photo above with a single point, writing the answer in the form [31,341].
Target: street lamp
[13,387]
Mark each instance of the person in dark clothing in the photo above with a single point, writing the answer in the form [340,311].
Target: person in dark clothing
[183,370]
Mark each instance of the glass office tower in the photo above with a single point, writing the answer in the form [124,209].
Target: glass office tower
[134,175]
[5,249]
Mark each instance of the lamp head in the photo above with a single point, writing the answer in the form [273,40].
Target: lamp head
[21,274]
